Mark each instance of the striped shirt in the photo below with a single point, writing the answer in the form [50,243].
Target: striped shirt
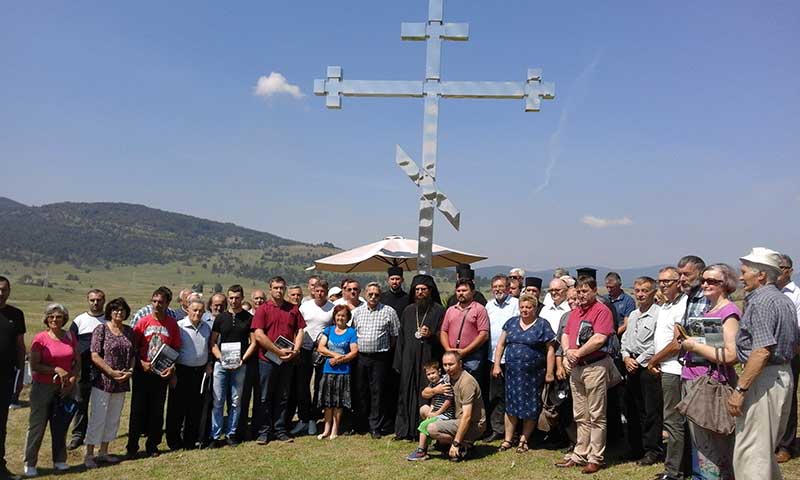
[375,327]
[438,400]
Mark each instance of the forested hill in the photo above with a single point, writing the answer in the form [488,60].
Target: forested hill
[122,233]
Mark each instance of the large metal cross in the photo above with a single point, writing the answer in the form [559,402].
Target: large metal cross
[431,89]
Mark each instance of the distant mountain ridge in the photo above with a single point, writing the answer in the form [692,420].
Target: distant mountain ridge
[628,274]
[124,233]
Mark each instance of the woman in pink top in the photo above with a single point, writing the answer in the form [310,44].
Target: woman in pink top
[55,368]
[712,453]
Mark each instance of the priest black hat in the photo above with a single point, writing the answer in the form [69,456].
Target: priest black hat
[533,282]
[395,270]
[588,272]
[463,270]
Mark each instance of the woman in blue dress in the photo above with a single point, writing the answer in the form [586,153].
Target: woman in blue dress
[527,343]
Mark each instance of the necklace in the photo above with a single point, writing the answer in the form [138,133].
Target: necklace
[417,334]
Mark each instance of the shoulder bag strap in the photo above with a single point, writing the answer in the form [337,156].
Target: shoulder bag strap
[461,329]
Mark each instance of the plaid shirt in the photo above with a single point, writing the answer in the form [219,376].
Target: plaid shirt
[769,320]
[375,327]
[696,304]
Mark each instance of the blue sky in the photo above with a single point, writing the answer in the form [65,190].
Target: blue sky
[674,124]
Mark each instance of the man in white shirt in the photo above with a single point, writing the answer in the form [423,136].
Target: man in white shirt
[558,306]
[665,361]
[318,314]
[82,327]
[500,309]
[786,445]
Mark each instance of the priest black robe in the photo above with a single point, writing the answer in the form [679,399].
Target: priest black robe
[409,356]
[395,299]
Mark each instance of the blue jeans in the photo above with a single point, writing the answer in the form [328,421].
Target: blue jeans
[228,385]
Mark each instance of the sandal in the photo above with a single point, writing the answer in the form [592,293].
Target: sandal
[505,446]
[522,447]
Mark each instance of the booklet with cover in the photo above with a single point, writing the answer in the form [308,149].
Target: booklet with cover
[231,354]
[165,357]
[705,330]
[281,342]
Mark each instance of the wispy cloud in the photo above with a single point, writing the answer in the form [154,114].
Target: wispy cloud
[578,91]
[275,84]
[597,222]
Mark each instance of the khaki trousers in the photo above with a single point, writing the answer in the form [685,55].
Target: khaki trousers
[589,387]
[765,412]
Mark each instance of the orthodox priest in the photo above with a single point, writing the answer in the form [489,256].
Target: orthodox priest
[417,343]
[394,296]
[463,270]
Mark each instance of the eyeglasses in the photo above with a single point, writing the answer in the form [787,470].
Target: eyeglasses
[515,276]
[259,298]
[353,289]
[373,294]
[667,282]
[785,267]
[712,281]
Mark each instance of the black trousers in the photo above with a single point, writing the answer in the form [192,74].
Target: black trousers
[300,399]
[6,392]
[147,410]
[645,407]
[787,442]
[81,420]
[371,373]
[276,382]
[496,404]
[247,428]
[184,408]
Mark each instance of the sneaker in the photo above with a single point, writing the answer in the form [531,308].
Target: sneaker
[312,428]
[299,427]
[417,455]
[29,471]
[90,462]
[61,466]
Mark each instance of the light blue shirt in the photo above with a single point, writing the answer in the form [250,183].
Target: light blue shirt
[194,343]
[499,314]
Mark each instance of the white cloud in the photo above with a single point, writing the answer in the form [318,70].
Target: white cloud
[597,222]
[275,84]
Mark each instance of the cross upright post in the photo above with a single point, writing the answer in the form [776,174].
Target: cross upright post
[433,31]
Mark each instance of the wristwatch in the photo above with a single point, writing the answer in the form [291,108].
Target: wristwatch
[741,390]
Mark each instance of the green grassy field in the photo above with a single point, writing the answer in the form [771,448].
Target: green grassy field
[351,457]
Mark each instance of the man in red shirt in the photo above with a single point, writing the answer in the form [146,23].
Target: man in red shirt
[149,387]
[465,329]
[588,327]
[274,319]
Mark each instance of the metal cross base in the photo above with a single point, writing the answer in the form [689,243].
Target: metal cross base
[432,89]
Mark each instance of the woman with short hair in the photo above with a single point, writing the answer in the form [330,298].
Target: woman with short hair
[55,369]
[527,342]
[113,351]
[339,344]
[712,453]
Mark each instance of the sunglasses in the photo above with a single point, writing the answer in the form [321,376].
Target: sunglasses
[712,281]
[353,289]
[667,282]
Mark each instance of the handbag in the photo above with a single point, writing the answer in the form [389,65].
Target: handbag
[706,404]
[318,359]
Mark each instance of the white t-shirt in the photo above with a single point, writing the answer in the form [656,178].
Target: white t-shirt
[83,326]
[670,314]
[317,318]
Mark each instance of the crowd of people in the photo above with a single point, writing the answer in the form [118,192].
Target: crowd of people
[529,367]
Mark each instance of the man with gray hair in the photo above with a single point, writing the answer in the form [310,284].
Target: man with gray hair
[557,273]
[786,448]
[377,326]
[691,269]
[765,344]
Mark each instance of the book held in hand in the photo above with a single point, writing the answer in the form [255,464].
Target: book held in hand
[165,357]
[704,330]
[231,354]
[280,342]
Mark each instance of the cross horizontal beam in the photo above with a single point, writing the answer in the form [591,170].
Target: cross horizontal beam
[335,87]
